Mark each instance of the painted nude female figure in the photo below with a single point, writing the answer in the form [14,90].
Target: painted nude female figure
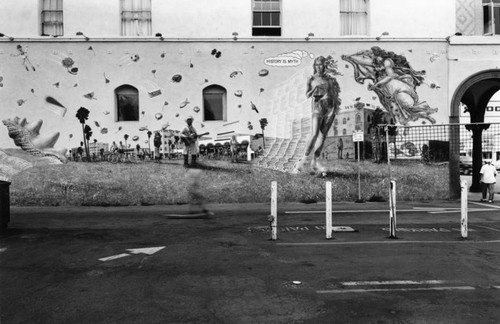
[324,91]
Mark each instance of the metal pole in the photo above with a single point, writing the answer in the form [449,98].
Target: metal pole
[359,176]
[274,211]
[329,228]
[464,210]
[387,148]
[392,209]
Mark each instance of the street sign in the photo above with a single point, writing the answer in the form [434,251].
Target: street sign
[357,136]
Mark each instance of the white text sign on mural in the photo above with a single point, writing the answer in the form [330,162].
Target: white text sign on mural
[357,136]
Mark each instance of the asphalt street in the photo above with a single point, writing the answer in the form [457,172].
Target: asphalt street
[137,265]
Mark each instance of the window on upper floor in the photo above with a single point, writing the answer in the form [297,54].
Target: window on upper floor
[52,18]
[353,17]
[136,18]
[214,103]
[491,17]
[266,17]
[127,103]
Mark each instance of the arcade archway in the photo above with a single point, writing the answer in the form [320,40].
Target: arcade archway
[473,93]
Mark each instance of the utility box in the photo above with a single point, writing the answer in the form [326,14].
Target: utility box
[4,204]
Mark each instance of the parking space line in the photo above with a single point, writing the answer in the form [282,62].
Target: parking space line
[347,291]
[487,205]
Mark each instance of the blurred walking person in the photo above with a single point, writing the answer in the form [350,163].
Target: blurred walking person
[488,179]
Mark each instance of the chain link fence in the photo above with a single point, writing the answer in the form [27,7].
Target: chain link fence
[434,143]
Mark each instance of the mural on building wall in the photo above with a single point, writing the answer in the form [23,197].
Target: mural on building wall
[296,91]
[27,136]
[395,83]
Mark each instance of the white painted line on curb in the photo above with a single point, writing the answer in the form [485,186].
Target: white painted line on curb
[347,291]
[389,242]
[393,282]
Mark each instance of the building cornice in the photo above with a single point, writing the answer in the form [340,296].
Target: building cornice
[63,39]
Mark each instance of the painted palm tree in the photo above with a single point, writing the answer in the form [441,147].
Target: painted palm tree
[263,124]
[83,114]
[88,135]
[149,140]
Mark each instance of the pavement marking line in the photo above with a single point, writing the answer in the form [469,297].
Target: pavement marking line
[456,211]
[487,205]
[415,209]
[347,291]
[345,211]
[393,282]
[113,257]
[387,242]
[486,227]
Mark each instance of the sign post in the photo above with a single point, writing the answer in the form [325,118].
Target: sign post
[358,137]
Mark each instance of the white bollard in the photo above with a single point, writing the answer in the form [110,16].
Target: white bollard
[392,209]
[274,211]
[329,228]
[464,211]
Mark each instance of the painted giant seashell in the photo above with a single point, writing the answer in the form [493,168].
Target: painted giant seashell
[27,136]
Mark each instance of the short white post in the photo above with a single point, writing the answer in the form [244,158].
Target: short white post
[464,211]
[329,228]
[274,210]
[392,209]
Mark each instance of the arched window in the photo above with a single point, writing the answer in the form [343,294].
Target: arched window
[214,103]
[358,124]
[344,121]
[127,103]
[344,131]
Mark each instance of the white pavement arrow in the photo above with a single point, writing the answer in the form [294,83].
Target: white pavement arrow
[148,251]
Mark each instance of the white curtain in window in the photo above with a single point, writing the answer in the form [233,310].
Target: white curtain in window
[353,17]
[52,17]
[136,17]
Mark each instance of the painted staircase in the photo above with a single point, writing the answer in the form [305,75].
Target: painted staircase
[283,153]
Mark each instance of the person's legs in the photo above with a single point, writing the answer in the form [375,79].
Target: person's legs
[186,160]
[193,159]
[484,190]
[491,190]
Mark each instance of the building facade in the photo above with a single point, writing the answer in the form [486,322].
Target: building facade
[140,65]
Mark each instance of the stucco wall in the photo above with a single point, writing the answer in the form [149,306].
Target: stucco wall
[220,18]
